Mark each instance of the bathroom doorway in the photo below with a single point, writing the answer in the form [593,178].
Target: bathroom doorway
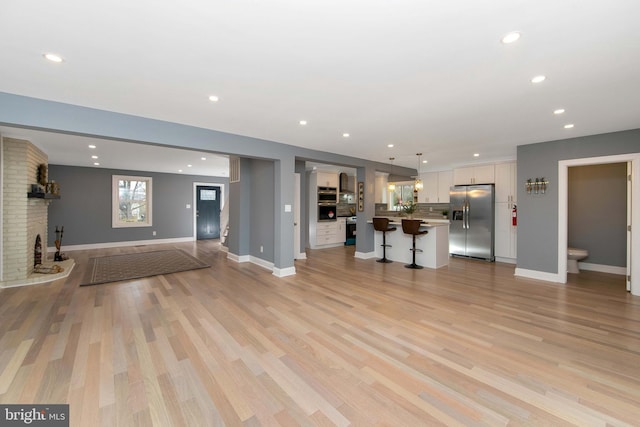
[633,213]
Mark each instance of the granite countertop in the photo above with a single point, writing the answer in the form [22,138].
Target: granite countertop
[427,222]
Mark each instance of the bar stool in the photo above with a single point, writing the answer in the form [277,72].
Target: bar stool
[382,224]
[412,226]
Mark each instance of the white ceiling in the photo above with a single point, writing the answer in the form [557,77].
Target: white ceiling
[428,76]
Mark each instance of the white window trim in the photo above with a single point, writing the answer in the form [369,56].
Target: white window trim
[115,202]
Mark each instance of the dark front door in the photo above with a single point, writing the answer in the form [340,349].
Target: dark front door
[207,212]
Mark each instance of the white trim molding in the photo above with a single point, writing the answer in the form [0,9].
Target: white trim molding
[106,245]
[364,255]
[283,272]
[611,269]
[540,275]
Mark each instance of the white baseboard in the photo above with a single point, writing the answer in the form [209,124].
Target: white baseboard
[105,245]
[283,272]
[301,255]
[507,260]
[364,255]
[238,258]
[612,269]
[539,275]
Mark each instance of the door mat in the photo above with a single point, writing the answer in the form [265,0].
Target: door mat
[115,268]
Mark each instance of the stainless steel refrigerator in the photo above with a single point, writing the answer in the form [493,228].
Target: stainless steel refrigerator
[471,232]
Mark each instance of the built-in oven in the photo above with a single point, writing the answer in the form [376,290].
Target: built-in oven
[327,211]
[327,195]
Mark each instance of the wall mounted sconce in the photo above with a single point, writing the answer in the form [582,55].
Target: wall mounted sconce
[537,186]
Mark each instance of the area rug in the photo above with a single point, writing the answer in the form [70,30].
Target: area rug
[115,268]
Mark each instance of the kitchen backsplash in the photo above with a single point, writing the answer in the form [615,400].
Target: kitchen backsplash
[346,209]
[423,210]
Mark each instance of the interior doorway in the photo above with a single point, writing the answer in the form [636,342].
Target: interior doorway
[633,206]
[207,212]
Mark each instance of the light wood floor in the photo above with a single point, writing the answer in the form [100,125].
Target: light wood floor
[344,342]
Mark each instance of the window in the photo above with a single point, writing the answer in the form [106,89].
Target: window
[131,201]
[401,195]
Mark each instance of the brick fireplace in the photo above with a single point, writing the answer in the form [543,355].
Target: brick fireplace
[23,218]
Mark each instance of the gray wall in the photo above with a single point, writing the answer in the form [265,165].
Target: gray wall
[262,210]
[538,214]
[598,212]
[84,208]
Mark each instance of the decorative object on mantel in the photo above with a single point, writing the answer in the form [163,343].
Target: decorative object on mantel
[360,196]
[42,174]
[537,186]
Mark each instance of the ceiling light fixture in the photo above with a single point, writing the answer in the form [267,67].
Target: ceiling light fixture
[346,135]
[558,111]
[538,79]
[476,154]
[510,37]
[303,122]
[96,164]
[179,170]
[203,158]
[92,146]
[390,145]
[94,157]
[214,98]
[189,166]
[569,126]
[418,185]
[53,57]
[391,186]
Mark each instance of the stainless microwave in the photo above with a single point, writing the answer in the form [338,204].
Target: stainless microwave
[327,195]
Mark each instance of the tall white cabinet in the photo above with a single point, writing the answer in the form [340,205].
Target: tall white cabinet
[505,232]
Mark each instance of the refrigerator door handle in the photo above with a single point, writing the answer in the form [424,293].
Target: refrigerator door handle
[468,215]
[464,215]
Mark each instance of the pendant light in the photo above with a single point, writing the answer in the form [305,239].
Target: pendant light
[391,186]
[418,184]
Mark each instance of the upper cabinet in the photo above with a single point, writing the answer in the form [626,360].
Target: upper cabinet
[474,175]
[436,187]
[506,185]
[327,179]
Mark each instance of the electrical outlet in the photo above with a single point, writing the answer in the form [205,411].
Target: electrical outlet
[154,232]
[430,209]
[261,249]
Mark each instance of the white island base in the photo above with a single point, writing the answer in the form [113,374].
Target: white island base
[434,245]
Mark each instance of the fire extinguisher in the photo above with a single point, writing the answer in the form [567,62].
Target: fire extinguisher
[514,216]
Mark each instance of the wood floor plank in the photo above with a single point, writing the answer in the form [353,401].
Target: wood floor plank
[345,341]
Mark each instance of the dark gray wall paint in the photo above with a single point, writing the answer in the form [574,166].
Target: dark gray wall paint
[84,208]
[240,211]
[304,204]
[538,214]
[262,212]
[598,212]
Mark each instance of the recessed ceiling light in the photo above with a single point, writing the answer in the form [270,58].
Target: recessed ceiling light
[179,170]
[476,154]
[569,126]
[346,135]
[96,164]
[214,98]
[189,166]
[94,157]
[203,158]
[425,161]
[92,146]
[558,111]
[510,37]
[390,145]
[303,122]
[538,79]
[53,57]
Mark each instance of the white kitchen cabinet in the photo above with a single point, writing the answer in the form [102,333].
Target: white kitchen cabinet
[330,232]
[436,187]
[474,175]
[445,181]
[506,234]
[327,179]
[506,185]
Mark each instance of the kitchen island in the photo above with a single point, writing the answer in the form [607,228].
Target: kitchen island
[434,244]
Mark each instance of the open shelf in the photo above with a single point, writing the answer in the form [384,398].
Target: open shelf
[42,196]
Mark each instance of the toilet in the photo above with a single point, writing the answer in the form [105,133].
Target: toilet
[573,256]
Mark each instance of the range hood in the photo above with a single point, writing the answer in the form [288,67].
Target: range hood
[344,184]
